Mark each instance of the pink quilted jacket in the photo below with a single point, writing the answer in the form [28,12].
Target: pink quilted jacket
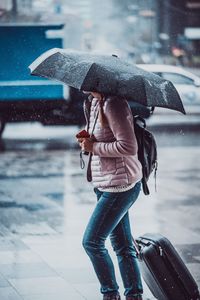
[114,160]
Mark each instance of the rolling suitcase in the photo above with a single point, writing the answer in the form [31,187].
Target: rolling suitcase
[163,270]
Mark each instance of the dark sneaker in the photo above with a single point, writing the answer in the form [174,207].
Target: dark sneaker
[138,297]
[111,297]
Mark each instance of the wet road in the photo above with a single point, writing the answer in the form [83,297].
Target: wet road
[45,204]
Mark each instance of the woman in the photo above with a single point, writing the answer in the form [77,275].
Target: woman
[116,174]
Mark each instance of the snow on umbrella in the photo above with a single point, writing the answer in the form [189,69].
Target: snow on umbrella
[107,74]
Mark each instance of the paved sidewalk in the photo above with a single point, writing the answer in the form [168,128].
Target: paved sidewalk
[42,258]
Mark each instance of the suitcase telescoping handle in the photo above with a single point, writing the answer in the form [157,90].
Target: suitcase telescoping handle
[146,243]
[137,249]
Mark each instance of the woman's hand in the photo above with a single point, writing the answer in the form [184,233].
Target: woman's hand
[86,144]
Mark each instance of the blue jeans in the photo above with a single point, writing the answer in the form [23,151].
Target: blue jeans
[110,218]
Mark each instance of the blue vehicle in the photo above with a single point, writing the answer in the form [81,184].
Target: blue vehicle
[27,98]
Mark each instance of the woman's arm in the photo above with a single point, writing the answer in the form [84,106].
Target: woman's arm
[120,121]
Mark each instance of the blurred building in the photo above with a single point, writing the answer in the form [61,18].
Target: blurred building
[179,28]
[142,30]
[192,26]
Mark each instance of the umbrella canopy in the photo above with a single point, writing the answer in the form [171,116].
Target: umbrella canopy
[107,74]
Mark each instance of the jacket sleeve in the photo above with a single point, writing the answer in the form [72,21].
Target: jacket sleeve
[120,121]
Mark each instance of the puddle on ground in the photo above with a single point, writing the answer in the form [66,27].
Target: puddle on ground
[29,207]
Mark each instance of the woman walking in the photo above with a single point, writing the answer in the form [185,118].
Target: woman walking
[115,173]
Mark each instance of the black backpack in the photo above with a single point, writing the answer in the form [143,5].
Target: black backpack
[147,151]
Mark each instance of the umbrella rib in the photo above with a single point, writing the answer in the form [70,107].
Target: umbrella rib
[86,76]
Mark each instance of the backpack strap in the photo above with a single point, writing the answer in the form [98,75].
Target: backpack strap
[86,108]
[89,171]
[144,182]
[155,173]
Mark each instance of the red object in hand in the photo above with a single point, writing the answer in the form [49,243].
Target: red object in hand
[83,134]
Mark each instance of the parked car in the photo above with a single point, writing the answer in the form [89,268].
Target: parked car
[186,83]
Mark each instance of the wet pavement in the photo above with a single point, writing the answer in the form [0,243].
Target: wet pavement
[45,203]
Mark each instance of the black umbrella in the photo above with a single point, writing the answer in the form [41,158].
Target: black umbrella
[107,74]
